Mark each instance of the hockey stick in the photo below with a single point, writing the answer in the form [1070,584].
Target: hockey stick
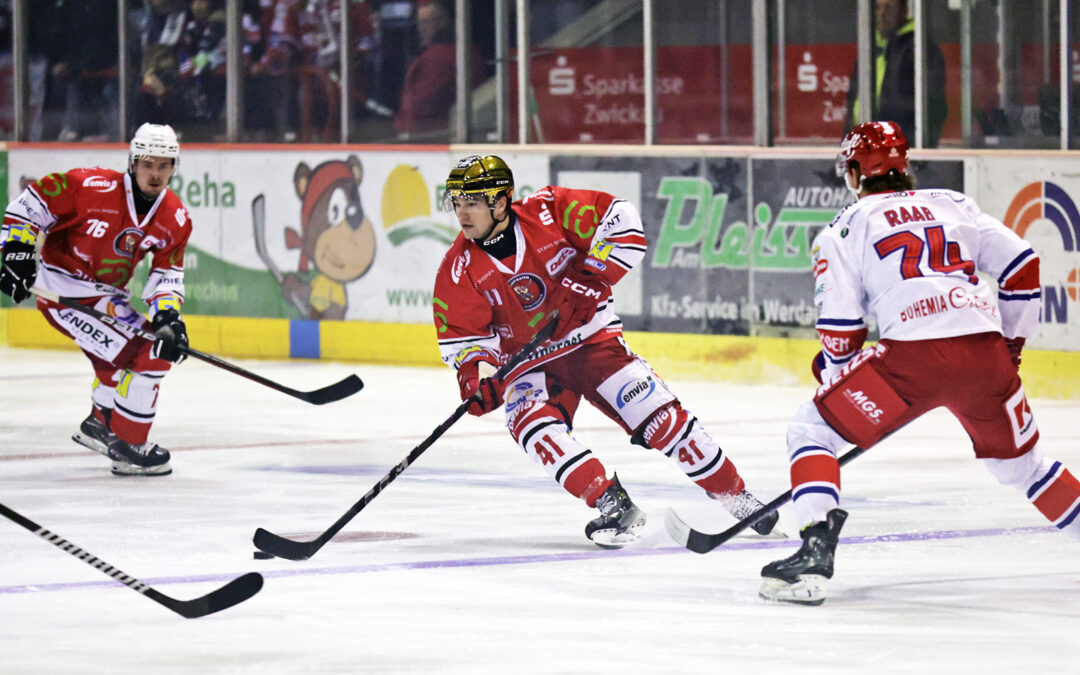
[258,222]
[702,542]
[282,547]
[232,593]
[334,392]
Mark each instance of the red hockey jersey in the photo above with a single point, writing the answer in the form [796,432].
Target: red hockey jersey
[94,238]
[486,308]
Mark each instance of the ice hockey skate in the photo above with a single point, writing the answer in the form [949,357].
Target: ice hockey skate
[744,504]
[619,522]
[94,434]
[800,578]
[142,459]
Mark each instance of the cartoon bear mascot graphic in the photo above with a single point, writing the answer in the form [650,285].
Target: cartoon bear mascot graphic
[336,240]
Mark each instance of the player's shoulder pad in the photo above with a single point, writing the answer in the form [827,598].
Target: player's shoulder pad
[172,210]
[843,216]
[534,199]
[945,193]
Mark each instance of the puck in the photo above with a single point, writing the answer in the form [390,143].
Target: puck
[262,555]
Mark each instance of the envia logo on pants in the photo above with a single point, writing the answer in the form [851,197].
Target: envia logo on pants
[1046,201]
[632,391]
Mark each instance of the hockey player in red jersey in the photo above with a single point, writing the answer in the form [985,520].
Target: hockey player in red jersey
[97,225]
[511,266]
[909,258]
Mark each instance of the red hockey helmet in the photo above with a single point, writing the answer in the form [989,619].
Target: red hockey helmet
[876,146]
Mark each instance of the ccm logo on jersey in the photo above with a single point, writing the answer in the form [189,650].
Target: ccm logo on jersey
[99,183]
[580,289]
[560,261]
[836,345]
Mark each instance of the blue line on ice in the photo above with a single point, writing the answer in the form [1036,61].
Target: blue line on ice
[533,559]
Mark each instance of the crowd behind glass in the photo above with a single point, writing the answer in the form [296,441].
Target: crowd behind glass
[990,70]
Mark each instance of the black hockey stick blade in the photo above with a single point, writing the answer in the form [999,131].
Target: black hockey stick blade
[290,549]
[328,394]
[282,547]
[232,593]
[334,392]
[703,542]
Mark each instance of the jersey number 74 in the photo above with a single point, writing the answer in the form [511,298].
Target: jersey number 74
[943,256]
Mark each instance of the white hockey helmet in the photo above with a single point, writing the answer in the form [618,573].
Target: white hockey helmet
[154,140]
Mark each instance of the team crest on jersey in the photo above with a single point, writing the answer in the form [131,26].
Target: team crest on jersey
[529,289]
[127,242]
[99,183]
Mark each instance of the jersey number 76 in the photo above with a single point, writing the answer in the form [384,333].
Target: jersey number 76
[943,256]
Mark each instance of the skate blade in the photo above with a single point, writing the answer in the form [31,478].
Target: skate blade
[90,443]
[808,590]
[129,469]
[612,538]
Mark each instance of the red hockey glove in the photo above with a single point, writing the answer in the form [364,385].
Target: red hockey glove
[486,393]
[487,398]
[1015,345]
[577,299]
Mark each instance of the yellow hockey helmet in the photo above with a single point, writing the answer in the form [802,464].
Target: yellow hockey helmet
[475,176]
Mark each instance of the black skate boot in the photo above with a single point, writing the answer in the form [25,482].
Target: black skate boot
[93,434]
[619,519]
[744,504]
[801,577]
[143,459]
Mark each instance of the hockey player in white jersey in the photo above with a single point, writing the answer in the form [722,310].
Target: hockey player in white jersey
[909,258]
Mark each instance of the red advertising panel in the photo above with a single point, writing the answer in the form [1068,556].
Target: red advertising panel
[594,94]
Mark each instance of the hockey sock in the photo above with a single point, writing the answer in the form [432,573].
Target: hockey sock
[673,431]
[815,483]
[1046,483]
[135,404]
[1056,493]
[541,432]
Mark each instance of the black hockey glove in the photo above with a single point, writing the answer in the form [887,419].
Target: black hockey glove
[172,341]
[18,270]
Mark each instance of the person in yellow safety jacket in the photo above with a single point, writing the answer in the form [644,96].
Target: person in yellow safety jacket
[894,75]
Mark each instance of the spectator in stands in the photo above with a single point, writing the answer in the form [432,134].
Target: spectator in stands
[894,75]
[270,89]
[202,54]
[163,23]
[393,47]
[429,89]
[163,97]
[86,79]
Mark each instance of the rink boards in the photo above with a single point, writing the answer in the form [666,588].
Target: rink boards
[724,293]
[726,358]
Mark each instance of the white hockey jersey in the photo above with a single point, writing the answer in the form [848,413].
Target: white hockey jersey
[910,259]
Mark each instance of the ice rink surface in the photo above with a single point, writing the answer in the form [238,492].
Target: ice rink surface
[473,561]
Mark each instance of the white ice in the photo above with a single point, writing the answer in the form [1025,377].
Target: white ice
[473,561]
